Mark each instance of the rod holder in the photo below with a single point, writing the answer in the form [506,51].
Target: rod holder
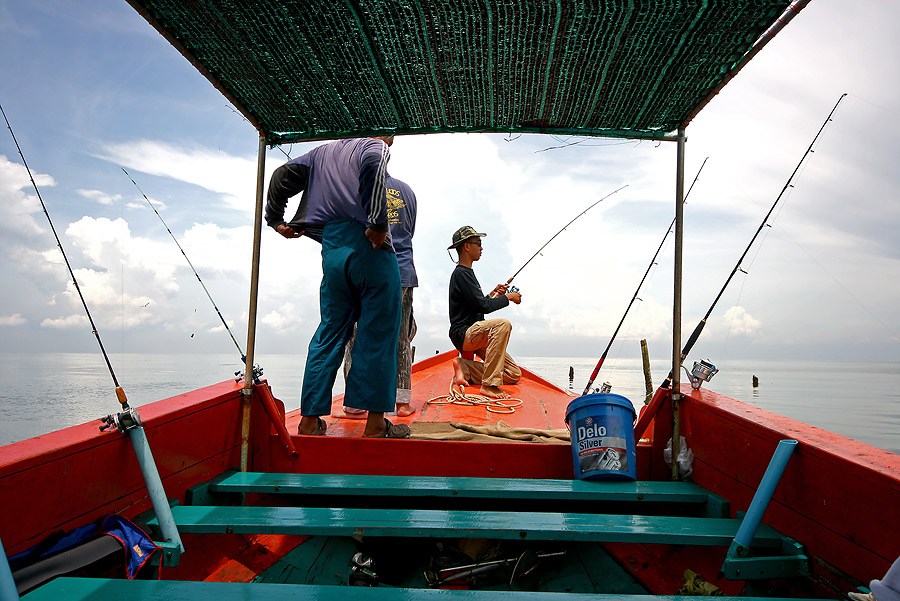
[8,591]
[154,486]
[740,546]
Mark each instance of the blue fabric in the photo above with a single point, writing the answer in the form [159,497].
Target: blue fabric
[60,541]
[359,284]
[138,546]
[402,209]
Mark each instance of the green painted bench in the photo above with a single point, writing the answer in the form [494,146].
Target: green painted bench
[677,494]
[517,509]
[510,525]
[82,589]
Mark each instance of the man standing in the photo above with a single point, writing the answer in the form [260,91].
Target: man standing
[343,206]
[470,333]
[402,209]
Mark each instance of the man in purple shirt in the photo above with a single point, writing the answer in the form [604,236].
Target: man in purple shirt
[344,207]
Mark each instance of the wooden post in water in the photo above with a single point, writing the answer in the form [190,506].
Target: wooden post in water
[648,380]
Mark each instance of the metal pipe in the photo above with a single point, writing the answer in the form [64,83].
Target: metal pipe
[254,296]
[676,302]
[154,485]
[8,591]
[744,537]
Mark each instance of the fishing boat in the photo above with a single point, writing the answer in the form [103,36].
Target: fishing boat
[229,501]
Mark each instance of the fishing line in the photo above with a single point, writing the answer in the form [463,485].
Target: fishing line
[634,297]
[561,231]
[120,393]
[696,333]
[183,254]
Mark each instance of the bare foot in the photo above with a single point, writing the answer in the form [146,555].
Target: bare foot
[404,410]
[351,413]
[493,392]
[459,378]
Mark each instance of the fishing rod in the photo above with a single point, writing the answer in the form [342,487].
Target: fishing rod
[233,339]
[561,231]
[268,401]
[128,421]
[696,333]
[635,296]
[120,393]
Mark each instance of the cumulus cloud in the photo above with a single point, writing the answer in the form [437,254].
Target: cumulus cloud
[12,320]
[99,196]
[739,322]
[17,206]
[65,323]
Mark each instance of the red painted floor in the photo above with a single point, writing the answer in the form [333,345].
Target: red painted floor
[543,404]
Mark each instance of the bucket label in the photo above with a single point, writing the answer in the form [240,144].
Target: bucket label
[599,449]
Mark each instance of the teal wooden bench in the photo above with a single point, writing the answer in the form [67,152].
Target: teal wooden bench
[672,494]
[582,510]
[509,525]
[83,589]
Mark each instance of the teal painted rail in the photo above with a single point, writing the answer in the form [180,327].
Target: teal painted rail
[465,524]
[83,589]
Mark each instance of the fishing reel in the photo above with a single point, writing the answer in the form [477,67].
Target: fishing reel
[703,371]
[513,289]
[257,374]
[124,421]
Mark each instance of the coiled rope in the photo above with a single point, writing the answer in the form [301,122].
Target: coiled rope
[458,396]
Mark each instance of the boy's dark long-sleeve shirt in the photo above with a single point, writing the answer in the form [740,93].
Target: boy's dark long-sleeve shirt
[468,303]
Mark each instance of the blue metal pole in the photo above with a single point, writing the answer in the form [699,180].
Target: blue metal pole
[741,543]
[8,590]
[154,485]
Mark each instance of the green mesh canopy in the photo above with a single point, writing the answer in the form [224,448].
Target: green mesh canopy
[319,69]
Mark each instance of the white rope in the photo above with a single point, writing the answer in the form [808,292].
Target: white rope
[458,396]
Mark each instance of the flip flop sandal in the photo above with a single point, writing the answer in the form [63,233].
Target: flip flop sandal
[392,431]
[319,430]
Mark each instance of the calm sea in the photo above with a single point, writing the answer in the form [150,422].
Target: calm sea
[45,392]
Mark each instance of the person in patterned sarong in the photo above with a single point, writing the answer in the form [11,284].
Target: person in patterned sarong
[401,203]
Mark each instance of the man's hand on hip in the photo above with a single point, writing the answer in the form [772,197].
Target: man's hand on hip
[376,238]
[288,232]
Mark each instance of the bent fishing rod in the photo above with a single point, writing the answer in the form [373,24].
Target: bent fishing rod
[183,254]
[128,421]
[561,231]
[635,296]
[696,333]
[120,393]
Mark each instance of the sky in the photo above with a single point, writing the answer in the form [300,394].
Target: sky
[90,88]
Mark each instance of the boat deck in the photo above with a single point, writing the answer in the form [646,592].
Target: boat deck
[543,404]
